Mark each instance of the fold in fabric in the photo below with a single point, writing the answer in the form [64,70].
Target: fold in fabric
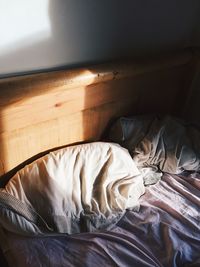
[163,142]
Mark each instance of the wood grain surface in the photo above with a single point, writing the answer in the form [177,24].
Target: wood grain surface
[39,112]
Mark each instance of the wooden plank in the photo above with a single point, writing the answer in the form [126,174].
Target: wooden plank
[38,109]
[18,88]
[46,107]
[43,111]
[81,126]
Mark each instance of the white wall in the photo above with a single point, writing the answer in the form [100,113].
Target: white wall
[42,34]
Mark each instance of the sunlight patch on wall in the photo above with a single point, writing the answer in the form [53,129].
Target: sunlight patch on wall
[22,23]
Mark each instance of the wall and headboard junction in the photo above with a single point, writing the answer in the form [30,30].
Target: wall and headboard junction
[54,108]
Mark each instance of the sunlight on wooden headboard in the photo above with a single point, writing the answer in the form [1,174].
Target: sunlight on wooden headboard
[39,112]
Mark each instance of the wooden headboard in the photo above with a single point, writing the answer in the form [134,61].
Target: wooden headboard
[39,112]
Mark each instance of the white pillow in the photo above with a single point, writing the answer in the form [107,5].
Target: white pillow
[78,188]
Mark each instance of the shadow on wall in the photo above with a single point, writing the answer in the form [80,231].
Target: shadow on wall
[81,33]
[192,109]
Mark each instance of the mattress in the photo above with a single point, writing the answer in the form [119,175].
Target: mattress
[165,232]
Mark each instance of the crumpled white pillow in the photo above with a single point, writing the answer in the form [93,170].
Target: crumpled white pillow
[165,142]
[79,188]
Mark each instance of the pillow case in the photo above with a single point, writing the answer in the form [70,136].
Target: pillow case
[79,188]
[163,142]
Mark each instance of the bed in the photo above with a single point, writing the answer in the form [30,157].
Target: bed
[88,122]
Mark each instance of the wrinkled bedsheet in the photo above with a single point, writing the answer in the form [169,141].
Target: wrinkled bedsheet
[166,232]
